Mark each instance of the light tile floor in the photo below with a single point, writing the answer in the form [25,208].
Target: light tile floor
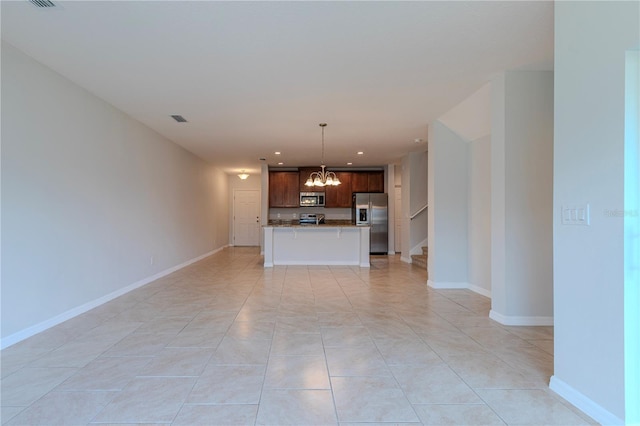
[226,341]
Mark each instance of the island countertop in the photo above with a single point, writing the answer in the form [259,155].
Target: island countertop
[330,223]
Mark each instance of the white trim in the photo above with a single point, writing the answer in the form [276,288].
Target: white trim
[518,320]
[480,290]
[580,401]
[51,322]
[447,285]
[459,285]
[406,259]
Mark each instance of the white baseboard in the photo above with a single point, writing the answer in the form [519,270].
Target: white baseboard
[459,285]
[480,290]
[405,259]
[447,285]
[518,320]
[52,322]
[580,401]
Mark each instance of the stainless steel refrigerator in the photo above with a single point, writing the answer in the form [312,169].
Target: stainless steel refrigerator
[370,209]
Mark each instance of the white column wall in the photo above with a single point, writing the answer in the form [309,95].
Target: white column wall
[590,43]
[447,215]
[471,121]
[522,194]
[390,188]
[479,216]
[93,202]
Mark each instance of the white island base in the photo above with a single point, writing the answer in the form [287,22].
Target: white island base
[316,245]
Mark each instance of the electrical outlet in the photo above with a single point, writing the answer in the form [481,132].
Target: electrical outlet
[575,214]
[152,260]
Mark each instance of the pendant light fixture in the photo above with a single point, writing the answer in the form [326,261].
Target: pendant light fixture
[322,178]
[243,175]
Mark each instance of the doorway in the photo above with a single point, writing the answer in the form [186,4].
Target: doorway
[246,217]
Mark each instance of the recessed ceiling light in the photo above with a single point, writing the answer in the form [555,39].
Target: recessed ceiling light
[280,163]
[277,153]
[360,153]
[349,164]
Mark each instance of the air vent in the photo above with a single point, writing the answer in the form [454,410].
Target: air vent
[42,3]
[179,118]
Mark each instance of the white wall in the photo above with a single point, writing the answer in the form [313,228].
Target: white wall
[522,194]
[590,43]
[92,201]
[471,121]
[479,215]
[471,118]
[447,213]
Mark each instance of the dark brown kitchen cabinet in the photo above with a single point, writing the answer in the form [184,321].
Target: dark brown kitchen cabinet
[284,189]
[305,172]
[367,181]
[359,182]
[339,196]
[376,181]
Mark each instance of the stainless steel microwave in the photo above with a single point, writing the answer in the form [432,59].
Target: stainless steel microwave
[312,199]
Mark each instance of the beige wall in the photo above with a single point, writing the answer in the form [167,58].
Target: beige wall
[93,202]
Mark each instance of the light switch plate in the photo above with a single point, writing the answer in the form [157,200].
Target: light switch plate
[575,214]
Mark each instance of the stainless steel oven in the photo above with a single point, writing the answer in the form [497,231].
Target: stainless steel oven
[312,199]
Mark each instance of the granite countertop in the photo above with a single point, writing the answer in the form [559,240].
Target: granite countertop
[280,223]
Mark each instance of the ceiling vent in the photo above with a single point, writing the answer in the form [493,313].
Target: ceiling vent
[42,3]
[179,118]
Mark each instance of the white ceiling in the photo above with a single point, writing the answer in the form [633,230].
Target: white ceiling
[253,78]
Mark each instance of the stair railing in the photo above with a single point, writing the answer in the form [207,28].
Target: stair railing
[423,208]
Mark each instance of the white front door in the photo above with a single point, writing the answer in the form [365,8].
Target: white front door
[246,217]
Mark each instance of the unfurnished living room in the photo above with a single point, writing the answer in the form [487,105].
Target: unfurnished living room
[297,213]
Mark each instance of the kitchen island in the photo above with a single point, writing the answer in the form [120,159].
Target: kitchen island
[333,243]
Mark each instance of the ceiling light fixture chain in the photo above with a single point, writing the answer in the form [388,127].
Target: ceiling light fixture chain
[322,178]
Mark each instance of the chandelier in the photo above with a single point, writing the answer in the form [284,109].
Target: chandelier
[322,178]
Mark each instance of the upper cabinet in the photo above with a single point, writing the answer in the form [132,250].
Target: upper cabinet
[340,196]
[284,189]
[305,172]
[367,181]
[360,182]
[376,181]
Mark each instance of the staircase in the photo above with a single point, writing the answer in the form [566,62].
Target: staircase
[420,260]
